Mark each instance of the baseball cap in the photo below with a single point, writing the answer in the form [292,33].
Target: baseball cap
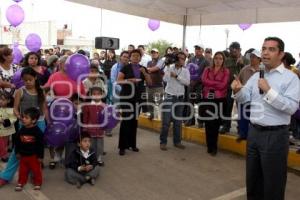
[201,46]
[256,53]
[154,50]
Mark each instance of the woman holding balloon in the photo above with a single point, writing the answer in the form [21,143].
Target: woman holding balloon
[33,60]
[31,95]
[131,78]
[61,82]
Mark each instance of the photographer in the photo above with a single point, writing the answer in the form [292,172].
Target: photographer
[215,81]
[176,77]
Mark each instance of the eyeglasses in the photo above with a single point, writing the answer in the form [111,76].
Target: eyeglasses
[181,58]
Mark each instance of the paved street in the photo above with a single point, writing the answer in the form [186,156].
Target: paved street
[151,174]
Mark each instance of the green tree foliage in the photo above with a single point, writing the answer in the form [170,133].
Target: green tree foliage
[161,45]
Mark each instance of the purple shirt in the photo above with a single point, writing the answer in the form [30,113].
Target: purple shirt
[136,71]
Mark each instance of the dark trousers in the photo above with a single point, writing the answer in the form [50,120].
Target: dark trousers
[228,110]
[266,165]
[27,164]
[128,127]
[193,96]
[212,123]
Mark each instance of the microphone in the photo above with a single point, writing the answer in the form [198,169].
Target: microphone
[261,74]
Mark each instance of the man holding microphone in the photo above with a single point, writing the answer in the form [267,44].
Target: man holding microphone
[268,139]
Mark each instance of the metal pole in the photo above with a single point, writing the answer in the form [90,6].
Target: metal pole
[184,24]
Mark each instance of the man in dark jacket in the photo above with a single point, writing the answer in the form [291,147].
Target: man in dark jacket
[81,167]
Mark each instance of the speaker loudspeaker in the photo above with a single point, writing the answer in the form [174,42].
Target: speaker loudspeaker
[107,43]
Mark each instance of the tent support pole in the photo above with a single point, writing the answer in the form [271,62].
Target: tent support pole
[184,24]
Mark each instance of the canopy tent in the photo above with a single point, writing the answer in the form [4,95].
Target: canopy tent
[205,12]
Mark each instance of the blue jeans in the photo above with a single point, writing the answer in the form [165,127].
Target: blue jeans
[167,107]
[243,121]
[13,163]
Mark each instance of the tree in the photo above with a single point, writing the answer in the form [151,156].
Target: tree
[161,45]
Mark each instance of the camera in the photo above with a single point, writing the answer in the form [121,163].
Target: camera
[171,58]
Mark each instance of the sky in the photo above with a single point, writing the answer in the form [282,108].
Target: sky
[86,21]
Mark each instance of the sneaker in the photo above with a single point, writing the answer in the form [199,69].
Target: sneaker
[37,187]
[108,134]
[3,182]
[52,165]
[122,152]
[92,181]
[135,149]
[100,163]
[179,146]
[163,147]
[87,178]
[223,130]
[151,116]
[18,188]
[78,184]
[213,153]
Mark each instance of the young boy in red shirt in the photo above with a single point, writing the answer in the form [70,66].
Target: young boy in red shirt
[30,149]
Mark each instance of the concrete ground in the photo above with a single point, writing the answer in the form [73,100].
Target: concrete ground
[152,174]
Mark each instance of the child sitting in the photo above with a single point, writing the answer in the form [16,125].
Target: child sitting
[7,120]
[30,149]
[82,163]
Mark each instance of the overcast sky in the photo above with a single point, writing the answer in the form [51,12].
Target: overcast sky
[86,21]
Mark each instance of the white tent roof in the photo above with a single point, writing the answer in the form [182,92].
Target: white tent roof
[205,12]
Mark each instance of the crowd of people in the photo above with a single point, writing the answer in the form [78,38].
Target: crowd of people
[264,84]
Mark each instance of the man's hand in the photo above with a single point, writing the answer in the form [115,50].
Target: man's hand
[236,85]
[142,69]
[173,74]
[82,168]
[89,168]
[263,85]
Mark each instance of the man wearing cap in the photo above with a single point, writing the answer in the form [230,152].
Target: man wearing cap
[193,93]
[274,99]
[156,89]
[208,55]
[235,62]
[244,109]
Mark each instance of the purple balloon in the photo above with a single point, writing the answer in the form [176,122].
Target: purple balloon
[153,24]
[62,110]
[33,42]
[55,134]
[108,117]
[15,15]
[244,26]
[194,71]
[77,67]
[17,79]
[17,1]
[73,132]
[18,56]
